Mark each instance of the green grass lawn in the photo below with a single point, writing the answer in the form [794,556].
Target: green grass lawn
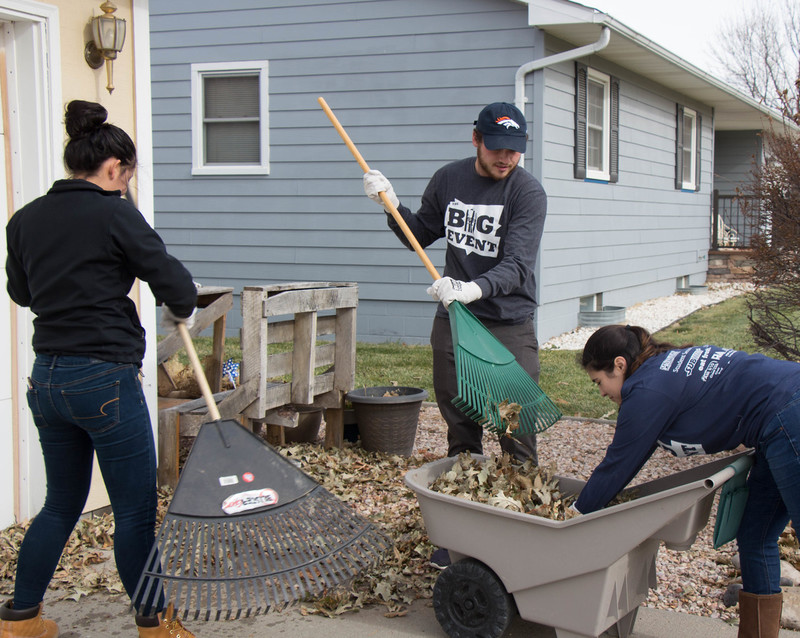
[562,379]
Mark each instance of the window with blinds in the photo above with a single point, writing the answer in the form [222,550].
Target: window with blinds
[230,132]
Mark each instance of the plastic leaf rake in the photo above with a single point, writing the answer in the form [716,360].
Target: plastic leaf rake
[247,531]
[489,377]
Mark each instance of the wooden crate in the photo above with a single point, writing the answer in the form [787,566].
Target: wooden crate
[319,320]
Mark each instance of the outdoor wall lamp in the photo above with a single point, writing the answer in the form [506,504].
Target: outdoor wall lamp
[108,36]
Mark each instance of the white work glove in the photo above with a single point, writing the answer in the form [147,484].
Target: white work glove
[375,183]
[447,290]
[169,321]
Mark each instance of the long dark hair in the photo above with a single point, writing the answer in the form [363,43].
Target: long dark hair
[93,140]
[633,343]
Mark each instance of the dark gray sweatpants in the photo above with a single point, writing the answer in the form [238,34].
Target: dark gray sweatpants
[463,434]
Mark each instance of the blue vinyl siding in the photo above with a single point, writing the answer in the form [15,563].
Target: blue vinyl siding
[407,79]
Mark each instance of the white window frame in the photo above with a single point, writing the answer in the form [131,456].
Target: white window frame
[605,80]
[199,72]
[691,184]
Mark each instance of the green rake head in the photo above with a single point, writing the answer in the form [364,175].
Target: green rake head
[489,378]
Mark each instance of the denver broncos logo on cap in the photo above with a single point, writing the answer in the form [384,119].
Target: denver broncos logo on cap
[506,121]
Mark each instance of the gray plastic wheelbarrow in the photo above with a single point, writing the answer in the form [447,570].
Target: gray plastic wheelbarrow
[582,577]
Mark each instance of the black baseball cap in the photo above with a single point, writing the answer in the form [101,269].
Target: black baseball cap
[502,126]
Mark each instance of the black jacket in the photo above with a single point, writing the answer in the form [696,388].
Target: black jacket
[73,255]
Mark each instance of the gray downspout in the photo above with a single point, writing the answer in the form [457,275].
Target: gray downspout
[535,65]
[520,100]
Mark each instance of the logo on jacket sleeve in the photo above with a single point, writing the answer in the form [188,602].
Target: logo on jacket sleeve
[473,228]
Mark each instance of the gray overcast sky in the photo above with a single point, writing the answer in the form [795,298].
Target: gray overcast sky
[685,27]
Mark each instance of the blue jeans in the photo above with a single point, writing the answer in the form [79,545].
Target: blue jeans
[82,406]
[774,499]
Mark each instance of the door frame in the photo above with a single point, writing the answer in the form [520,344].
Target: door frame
[33,80]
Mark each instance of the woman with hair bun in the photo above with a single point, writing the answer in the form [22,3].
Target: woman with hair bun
[73,256]
[702,400]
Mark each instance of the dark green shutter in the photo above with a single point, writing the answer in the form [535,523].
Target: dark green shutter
[679,148]
[581,75]
[613,169]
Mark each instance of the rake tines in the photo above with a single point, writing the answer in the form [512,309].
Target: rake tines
[489,376]
[214,565]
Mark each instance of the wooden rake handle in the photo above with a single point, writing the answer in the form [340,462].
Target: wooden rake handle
[199,374]
[384,197]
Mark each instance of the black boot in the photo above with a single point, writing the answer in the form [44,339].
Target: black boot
[521,449]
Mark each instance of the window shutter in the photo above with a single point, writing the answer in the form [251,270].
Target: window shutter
[679,148]
[581,74]
[697,168]
[614,139]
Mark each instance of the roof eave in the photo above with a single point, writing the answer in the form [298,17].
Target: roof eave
[579,25]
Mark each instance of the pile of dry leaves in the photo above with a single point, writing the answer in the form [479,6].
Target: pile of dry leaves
[84,567]
[371,483]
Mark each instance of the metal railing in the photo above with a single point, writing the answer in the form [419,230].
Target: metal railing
[732,222]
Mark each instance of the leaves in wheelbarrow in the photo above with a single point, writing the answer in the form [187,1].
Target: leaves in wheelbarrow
[502,482]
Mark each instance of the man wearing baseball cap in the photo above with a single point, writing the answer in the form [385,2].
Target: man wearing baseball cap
[491,213]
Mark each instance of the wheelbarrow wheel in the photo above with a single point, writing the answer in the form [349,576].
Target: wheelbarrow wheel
[471,601]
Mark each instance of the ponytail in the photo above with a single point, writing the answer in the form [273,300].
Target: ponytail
[632,343]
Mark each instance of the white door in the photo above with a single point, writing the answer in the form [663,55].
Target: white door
[30,159]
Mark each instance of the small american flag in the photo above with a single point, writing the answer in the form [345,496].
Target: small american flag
[230,369]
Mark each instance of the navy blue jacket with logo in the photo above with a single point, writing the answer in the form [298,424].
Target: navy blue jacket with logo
[493,229]
[73,255]
[696,400]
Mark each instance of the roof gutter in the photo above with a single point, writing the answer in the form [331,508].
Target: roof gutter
[535,65]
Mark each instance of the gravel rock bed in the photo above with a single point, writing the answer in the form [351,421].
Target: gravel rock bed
[655,314]
[693,581]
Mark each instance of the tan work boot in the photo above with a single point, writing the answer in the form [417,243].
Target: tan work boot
[25,623]
[759,615]
[164,625]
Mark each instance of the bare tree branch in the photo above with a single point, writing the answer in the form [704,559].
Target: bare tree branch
[759,53]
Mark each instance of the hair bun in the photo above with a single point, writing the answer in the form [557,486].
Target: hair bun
[82,118]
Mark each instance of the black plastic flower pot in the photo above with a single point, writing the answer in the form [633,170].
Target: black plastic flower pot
[387,417]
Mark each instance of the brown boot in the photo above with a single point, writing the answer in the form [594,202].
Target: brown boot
[759,616]
[164,625]
[25,623]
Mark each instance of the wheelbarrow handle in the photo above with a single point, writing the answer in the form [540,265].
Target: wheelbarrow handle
[199,374]
[387,203]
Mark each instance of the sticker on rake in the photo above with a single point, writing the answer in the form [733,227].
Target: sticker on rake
[253,499]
